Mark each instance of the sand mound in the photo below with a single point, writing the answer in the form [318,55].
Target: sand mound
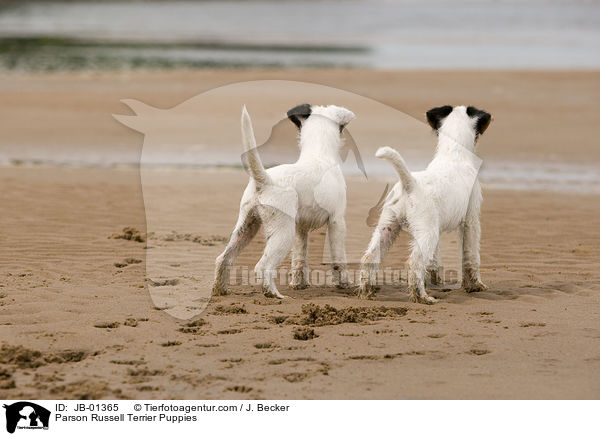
[208,241]
[130,234]
[304,334]
[25,358]
[313,314]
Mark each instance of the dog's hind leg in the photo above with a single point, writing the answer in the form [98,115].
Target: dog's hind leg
[424,246]
[337,237]
[280,236]
[300,271]
[434,270]
[245,229]
[383,237]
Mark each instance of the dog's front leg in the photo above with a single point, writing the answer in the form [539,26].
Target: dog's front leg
[300,271]
[434,270]
[470,234]
[337,237]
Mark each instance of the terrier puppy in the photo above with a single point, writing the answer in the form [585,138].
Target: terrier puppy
[292,199]
[445,196]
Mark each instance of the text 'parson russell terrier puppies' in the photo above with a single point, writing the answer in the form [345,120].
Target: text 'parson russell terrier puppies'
[292,199]
[443,197]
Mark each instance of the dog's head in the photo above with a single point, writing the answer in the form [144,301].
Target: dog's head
[335,116]
[462,124]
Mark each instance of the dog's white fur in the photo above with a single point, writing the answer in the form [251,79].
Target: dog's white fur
[292,199]
[444,197]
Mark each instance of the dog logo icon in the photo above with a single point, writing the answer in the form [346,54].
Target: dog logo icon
[26,415]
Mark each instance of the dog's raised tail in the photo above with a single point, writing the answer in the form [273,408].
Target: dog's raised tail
[251,157]
[388,153]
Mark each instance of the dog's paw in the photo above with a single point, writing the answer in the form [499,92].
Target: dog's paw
[366,292]
[366,295]
[475,287]
[275,294]
[298,280]
[422,300]
[427,299]
[415,297]
[298,286]
[218,290]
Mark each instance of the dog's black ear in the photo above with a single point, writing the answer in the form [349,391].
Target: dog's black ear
[299,113]
[437,114]
[482,117]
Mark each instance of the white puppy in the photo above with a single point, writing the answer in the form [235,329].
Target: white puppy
[445,196]
[292,199]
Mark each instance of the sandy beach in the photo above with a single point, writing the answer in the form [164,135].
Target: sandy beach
[79,316]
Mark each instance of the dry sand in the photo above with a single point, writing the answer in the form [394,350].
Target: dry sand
[75,325]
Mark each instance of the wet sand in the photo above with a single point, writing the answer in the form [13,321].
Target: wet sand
[75,325]
[77,319]
[538,115]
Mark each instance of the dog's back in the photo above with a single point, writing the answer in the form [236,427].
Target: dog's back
[449,180]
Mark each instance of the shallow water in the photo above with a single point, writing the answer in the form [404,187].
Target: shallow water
[403,34]
[494,174]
